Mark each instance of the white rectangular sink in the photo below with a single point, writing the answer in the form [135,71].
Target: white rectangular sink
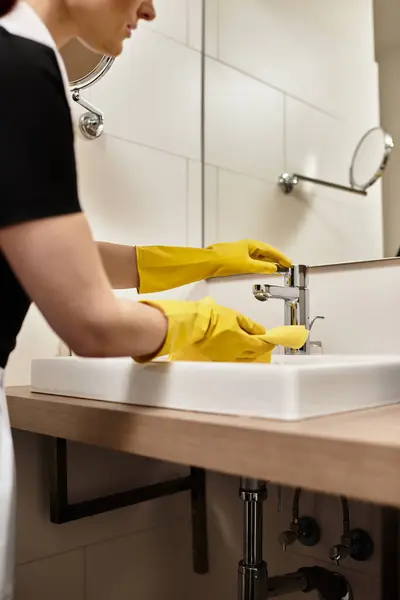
[290,389]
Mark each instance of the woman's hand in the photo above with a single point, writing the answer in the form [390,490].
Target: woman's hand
[210,332]
[247,256]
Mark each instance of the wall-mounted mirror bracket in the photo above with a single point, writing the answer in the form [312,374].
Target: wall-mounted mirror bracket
[288,182]
[85,68]
[368,164]
[91,123]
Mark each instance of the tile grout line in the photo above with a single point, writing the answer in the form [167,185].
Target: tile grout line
[187,23]
[217,204]
[241,174]
[275,88]
[284,132]
[155,148]
[203,125]
[84,546]
[172,39]
[218,36]
[188,199]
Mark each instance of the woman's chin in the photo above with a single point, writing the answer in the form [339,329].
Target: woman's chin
[112,48]
[115,49]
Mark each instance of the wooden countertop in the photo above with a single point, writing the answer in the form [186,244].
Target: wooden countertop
[356,454]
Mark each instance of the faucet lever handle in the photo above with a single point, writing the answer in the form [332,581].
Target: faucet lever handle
[313,321]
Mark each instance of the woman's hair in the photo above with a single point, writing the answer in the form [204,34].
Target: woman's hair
[6,6]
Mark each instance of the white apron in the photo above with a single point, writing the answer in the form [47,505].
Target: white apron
[7,500]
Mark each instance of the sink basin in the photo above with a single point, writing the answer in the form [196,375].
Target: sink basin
[290,389]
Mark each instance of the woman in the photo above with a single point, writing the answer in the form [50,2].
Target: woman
[47,253]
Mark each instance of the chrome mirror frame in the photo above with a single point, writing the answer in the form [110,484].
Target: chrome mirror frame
[91,123]
[387,150]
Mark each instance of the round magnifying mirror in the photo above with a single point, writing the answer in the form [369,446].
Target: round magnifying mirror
[370,158]
[84,68]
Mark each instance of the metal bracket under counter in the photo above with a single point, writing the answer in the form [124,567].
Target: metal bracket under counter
[61,511]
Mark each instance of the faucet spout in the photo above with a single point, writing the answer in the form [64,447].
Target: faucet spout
[276,291]
[295,294]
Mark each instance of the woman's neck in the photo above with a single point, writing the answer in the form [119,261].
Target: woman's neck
[55,16]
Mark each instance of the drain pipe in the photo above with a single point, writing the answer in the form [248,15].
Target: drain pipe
[329,585]
[253,572]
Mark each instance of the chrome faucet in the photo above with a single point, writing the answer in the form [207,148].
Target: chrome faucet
[295,294]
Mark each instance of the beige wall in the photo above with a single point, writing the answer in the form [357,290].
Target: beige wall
[141,183]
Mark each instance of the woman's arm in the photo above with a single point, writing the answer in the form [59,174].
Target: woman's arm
[120,265]
[59,265]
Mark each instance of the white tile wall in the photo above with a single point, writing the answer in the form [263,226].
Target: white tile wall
[153,96]
[244,123]
[298,49]
[194,204]
[211,38]
[180,20]
[251,208]
[318,145]
[172,19]
[195,24]
[211,198]
[139,195]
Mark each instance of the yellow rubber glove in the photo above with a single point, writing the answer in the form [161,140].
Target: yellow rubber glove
[218,333]
[291,337]
[165,267]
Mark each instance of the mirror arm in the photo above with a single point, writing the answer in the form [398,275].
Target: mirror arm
[76,96]
[91,124]
[288,182]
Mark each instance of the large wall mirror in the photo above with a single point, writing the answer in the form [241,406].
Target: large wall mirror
[302,126]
